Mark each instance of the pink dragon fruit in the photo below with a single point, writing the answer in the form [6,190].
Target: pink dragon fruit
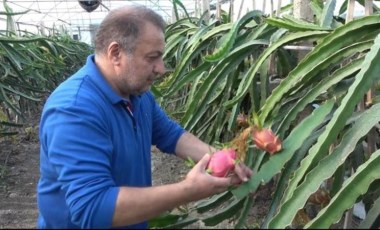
[222,162]
[266,140]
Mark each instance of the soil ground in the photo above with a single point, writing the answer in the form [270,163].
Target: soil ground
[19,173]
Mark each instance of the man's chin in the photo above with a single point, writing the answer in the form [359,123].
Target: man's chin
[142,91]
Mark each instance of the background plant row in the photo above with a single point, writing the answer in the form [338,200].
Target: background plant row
[30,68]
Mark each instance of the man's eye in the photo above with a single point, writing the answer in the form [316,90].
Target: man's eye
[153,58]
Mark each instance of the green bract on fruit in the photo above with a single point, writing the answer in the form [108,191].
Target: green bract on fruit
[222,162]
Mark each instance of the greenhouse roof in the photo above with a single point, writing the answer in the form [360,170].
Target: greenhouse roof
[68,15]
[69,12]
[36,15]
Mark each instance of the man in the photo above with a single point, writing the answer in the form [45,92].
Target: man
[97,129]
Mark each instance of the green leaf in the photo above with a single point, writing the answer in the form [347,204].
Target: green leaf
[163,220]
[288,170]
[6,123]
[290,145]
[194,47]
[247,207]
[230,37]
[14,56]
[171,221]
[353,187]
[219,72]
[372,219]
[190,76]
[156,92]
[326,167]
[212,202]
[363,81]
[249,76]
[293,24]
[222,214]
[322,86]
[340,37]
[7,134]
[327,14]
[189,162]
[19,93]
[317,8]
[183,223]
[178,2]
[174,42]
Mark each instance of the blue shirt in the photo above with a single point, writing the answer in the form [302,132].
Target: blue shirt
[90,145]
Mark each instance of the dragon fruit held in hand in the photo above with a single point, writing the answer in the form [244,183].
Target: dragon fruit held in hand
[222,162]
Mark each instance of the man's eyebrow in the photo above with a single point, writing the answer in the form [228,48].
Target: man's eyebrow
[159,53]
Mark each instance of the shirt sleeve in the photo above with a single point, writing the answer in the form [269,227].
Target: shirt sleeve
[166,131]
[79,150]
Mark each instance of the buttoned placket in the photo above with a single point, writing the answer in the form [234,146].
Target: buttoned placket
[128,107]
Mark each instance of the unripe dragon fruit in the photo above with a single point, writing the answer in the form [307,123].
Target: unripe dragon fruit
[222,162]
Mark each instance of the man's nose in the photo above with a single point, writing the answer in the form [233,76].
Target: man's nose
[159,68]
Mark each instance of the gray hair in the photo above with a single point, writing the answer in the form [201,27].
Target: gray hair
[123,25]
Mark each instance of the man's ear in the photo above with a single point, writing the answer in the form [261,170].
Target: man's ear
[114,53]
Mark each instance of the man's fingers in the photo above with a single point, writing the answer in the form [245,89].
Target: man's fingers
[203,161]
[243,172]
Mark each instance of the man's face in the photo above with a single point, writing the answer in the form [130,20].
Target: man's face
[139,70]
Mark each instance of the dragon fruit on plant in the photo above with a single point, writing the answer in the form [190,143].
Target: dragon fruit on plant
[266,140]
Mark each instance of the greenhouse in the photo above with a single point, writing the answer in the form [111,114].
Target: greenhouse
[190,114]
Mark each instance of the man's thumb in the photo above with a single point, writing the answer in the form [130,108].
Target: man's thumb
[204,161]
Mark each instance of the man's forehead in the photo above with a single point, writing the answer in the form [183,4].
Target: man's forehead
[147,48]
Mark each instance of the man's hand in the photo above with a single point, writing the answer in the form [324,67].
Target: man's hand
[201,184]
[242,174]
